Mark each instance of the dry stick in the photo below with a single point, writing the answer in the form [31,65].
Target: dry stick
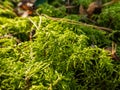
[37,26]
[110,3]
[80,23]
[40,19]
[67,7]
[33,23]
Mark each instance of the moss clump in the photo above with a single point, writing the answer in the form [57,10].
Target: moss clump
[110,17]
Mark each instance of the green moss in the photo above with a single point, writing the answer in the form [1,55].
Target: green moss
[52,11]
[63,55]
[7,13]
[110,17]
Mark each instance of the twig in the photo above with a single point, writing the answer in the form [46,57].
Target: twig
[33,23]
[79,23]
[40,19]
[67,7]
[110,3]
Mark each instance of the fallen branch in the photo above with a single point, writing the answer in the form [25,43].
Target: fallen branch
[110,3]
[69,7]
[79,23]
